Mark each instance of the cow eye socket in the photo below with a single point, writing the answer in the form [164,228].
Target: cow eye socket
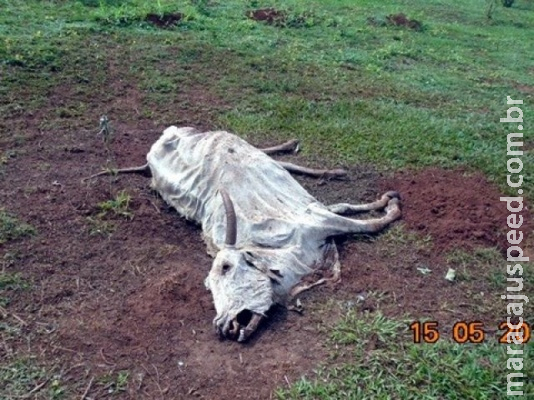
[226,268]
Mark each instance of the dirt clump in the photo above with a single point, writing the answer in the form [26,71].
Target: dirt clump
[165,20]
[270,16]
[458,210]
[402,20]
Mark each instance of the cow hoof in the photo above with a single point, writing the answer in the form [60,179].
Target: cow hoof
[392,194]
[393,206]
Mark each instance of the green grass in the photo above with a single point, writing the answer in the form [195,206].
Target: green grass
[97,226]
[386,364]
[20,377]
[115,382]
[11,281]
[352,91]
[399,239]
[472,266]
[119,206]
[5,158]
[11,228]
[469,265]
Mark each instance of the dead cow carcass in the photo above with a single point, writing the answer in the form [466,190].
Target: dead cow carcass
[264,230]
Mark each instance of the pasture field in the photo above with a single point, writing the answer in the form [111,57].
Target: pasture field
[101,283]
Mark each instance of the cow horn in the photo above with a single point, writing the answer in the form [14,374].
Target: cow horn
[231,222]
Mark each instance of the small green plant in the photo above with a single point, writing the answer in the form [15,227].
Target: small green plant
[100,227]
[122,381]
[11,281]
[21,376]
[119,206]
[116,383]
[6,156]
[11,228]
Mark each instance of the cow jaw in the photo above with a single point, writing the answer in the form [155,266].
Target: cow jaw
[242,294]
[241,327]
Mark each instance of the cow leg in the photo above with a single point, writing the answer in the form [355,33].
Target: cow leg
[347,209]
[316,173]
[291,146]
[336,276]
[333,224]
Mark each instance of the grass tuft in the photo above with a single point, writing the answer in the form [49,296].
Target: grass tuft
[118,207]
[386,365]
[11,281]
[11,228]
[20,378]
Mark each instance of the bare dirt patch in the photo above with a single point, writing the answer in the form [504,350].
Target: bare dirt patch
[270,16]
[165,20]
[132,301]
[400,20]
[282,19]
[458,210]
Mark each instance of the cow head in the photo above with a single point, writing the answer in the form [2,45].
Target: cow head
[242,289]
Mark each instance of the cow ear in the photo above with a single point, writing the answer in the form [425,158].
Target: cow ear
[257,261]
[251,260]
[276,271]
[274,275]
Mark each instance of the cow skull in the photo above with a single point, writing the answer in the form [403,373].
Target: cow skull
[242,289]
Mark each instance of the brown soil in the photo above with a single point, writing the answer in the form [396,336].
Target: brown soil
[458,210]
[134,300]
[402,20]
[270,16]
[165,20]
[128,295]
[397,20]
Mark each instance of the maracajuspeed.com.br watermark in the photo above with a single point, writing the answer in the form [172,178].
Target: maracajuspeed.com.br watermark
[514,254]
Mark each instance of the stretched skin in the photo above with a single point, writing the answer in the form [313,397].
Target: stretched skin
[189,168]
[275,219]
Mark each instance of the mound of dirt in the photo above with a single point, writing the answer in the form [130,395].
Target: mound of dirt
[164,20]
[270,16]
[396,20]
[457,210]
[402,20]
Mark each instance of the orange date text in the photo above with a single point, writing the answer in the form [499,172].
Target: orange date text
[470,332]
